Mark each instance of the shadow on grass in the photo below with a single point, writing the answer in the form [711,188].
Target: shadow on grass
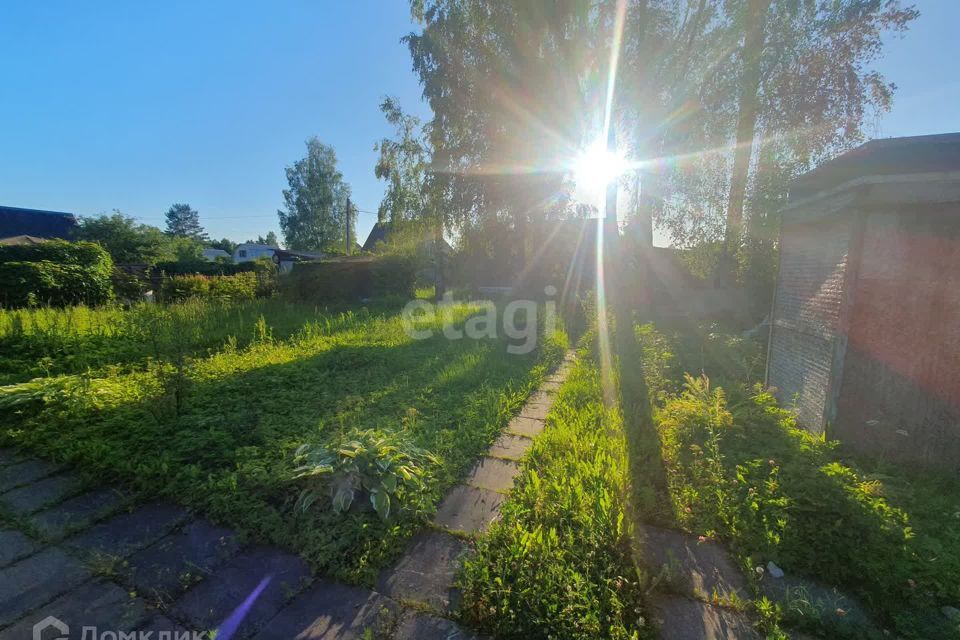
[228,450]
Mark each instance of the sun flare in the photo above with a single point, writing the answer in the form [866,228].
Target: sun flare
[597,167]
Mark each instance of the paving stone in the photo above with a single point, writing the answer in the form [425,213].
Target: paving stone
[261,578]
[123,534]
[427,571]
[9,456]
[36,580]
[181,559]
[523,426]
[551,386]
[41,493]
[680,618]
[329,611]
[98,604]
[493,474]
[469,509]
[537,411]
[798,596]
[76,513]
[159,622]
[422,626]
[22,473]
[701,569]
[14,545]
[510,446]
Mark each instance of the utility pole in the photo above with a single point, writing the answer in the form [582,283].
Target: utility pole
[346,243]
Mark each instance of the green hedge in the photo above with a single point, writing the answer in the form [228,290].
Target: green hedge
[242,286]
[56,273]
[352,279]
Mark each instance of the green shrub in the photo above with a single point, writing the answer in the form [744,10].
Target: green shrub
[393,275]
[329,280]
[242,286]
[57,273]
[387,470]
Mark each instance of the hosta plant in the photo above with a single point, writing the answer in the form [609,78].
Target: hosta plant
[391,473]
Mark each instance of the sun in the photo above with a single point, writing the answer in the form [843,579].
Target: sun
[597,166]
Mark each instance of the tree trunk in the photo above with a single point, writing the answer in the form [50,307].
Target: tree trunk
[757,11]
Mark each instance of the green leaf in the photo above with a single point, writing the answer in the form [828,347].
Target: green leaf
[381,503]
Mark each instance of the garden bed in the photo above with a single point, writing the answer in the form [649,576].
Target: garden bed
[215,425]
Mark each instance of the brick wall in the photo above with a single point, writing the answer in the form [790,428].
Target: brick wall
[813,261]
[900,395]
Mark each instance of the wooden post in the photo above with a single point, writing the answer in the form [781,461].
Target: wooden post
[347,246]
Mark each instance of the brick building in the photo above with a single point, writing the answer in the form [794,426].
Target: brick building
[865,331]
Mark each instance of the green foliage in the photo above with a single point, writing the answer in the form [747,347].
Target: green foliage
[328,281]
[403,165]
[242,286]
[316,213]
[393,275]
[127,241]
[55,272]
[384,468]
[213,420]
[558,564]
[184,222]
[746,474]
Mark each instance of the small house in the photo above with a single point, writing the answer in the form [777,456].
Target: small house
[212,255]
[865,326]
[249,252]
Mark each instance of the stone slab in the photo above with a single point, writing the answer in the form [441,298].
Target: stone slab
[14,545]
[423,626]
[426,572]
[159,622]
[700,569]
[39,494]
[680,618]
[22,473]
[493,474]
[523,426]
[98,604]
[181,559]
[37,580]
[9,456]
[537,411]
[510,446]
[798,596]
[469,509]
[262,578]
[126,533]
[329,611]
[76,513]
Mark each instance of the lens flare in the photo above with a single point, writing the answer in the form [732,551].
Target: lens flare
[597,167]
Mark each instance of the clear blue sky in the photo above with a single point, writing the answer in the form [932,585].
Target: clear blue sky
[134,106]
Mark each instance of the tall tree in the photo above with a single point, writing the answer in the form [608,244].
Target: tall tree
[184,222]
[402,164]
[503,81]
[316,213]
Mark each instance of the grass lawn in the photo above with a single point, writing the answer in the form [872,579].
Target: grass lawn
[213,418]
[739,469]
[559,562]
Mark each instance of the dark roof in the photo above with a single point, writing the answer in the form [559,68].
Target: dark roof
[883,157]
[15,221]
[377,234]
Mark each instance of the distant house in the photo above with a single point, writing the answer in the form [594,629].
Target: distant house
[283,258]
[249,252]
[211,255]
[381,233]
[36,223]
[20,240]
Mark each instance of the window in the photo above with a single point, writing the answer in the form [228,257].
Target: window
[243,253]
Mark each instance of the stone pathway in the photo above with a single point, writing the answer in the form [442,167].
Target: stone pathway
[93,558]
[424,577]
[701,586]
